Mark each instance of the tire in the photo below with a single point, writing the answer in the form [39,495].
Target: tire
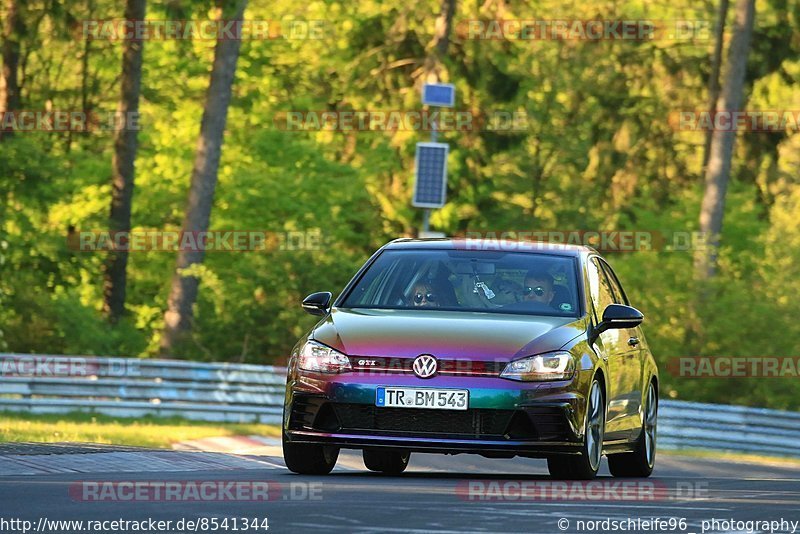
[639,463]
[389,462]
[309,459]
[584,466]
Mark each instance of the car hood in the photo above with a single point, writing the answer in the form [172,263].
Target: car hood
[451,335]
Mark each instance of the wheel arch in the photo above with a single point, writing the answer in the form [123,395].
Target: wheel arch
[600,374]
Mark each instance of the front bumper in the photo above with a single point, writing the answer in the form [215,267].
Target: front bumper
[436,445]
[504,417]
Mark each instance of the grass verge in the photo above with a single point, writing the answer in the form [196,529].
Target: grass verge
[735,457]
[95,428]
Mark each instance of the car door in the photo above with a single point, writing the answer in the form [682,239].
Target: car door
[632,359]
[610,346]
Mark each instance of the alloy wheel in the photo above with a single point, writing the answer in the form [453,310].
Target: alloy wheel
[595,426]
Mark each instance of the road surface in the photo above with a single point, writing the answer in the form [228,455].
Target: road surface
[444,494]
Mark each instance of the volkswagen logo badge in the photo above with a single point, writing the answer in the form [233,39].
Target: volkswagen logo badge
[425,366]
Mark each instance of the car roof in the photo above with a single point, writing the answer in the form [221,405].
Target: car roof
[490,245]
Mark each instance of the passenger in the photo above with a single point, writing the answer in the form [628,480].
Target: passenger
[538,287]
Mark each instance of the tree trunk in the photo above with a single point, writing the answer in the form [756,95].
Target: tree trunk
[183,294]
[441,40]
[444,26]
[713,78]
[13,28]
[123,166]
[722,141]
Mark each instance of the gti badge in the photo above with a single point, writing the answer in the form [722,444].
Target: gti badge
[425,366]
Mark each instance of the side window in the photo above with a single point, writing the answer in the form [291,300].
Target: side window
[384,286]
[619,294]
[599,289]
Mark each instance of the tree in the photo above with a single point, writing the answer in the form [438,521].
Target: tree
[437,50]
[713,77]
[183,293]
[12,32]
[722,141]
[123,166]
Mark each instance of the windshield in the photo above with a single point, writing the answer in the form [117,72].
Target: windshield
[460,280]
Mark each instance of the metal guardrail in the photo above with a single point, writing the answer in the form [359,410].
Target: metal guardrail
[227,392]
[720,427]
[129,387]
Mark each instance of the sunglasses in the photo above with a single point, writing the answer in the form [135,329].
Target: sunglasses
[419,297]
[538,291]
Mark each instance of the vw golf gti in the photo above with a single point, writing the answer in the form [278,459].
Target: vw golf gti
[463,346]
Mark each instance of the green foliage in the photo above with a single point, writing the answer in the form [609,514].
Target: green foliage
[598,152]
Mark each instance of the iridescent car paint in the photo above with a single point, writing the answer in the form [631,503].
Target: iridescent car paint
[532,371]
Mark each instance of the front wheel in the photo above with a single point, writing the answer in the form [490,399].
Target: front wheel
[640,462]
[308,458]
[584,466]
[387,462]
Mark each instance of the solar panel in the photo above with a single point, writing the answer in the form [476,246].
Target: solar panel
[439,94]
[430,186]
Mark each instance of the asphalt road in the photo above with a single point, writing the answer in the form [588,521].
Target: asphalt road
[445,494]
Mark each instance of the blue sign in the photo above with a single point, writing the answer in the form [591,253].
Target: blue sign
[439,94]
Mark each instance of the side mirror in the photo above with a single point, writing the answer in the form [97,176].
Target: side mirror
[317,303]
[618,316]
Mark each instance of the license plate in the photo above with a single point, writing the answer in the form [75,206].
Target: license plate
[440,399]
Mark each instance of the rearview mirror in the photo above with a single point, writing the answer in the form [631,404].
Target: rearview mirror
[619,316]
[485,268]
[317,303]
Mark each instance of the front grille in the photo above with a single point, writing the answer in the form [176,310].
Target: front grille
[474,423]
[534,423]
[380,364]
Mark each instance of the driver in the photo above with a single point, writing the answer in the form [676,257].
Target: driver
[424,296]
[538,287]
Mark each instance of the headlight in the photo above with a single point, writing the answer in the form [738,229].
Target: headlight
[317,357]
[550,366]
